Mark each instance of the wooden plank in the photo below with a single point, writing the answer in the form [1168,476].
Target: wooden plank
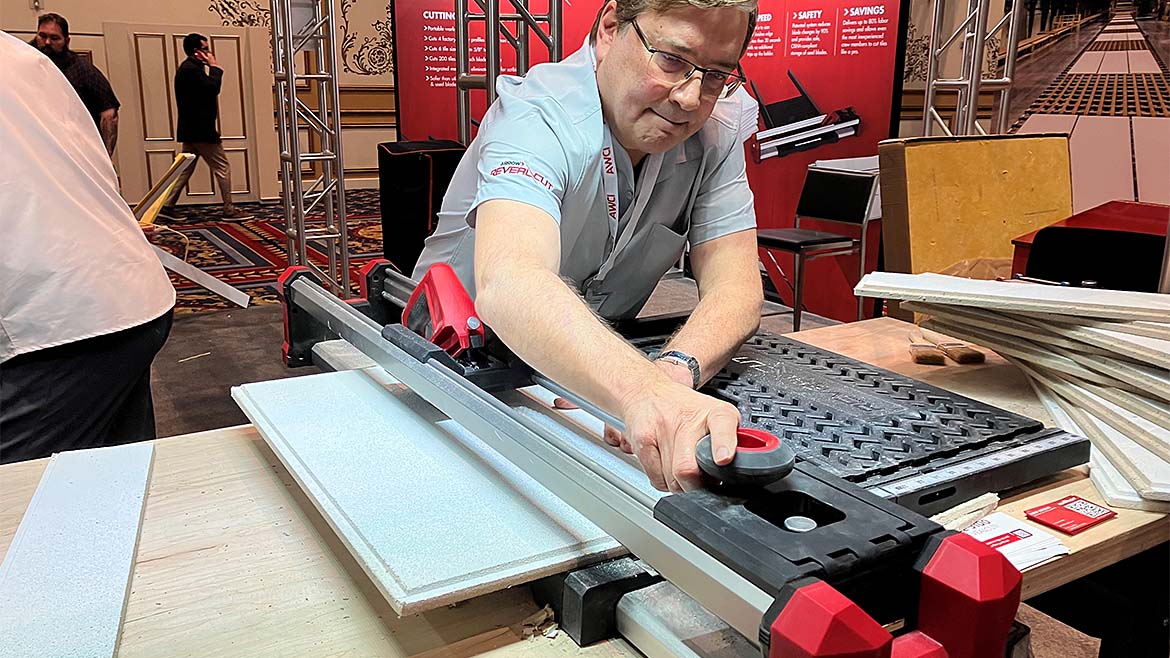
[1002,323]
[1147,381]
[1089,62]
[1151,329]
[1147,472]
[65,578]
[1049,123]
[1155,351]
[1142,61]
[1113,62]
[1016,297]
[1100,152]
[410,507]
[1114,488]
[1019,348]
[1151,154]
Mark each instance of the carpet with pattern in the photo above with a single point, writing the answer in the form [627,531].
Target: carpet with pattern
[250,255]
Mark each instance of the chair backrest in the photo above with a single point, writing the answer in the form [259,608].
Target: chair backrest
[146,210]
[837,195]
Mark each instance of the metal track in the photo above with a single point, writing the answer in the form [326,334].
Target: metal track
[553,463]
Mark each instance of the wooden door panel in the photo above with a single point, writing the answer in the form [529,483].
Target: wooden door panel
[143,60]
[154,81]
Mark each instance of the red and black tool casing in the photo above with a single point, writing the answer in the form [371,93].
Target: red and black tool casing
[868,563]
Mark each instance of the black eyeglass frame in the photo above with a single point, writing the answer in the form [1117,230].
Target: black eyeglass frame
[734,80]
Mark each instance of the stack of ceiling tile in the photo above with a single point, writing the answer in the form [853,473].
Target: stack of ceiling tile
[1098,359]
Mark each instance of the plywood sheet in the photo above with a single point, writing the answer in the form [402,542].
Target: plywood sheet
[1154,351]
[66,576]
[1101,157]
[1113,62]
[1148,473]
[1142,61]
[1089,62]
[1049,123]
[1014,297]
[1002,323]
[1151,156]
[1106,478]
[433,517]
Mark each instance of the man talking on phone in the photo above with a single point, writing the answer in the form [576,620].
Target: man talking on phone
[197,84]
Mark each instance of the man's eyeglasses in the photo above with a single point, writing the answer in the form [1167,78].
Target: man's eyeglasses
[673,69]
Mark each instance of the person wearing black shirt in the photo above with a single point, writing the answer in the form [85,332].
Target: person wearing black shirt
[52,39]
[197,84]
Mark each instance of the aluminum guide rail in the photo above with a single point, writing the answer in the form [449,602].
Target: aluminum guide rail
[551,462]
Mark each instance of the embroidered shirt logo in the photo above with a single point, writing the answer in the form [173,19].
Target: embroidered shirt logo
[510,167]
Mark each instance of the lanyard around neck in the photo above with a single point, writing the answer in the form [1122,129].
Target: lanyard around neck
[613,202]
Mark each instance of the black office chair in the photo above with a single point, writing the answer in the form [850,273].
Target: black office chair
[840,196]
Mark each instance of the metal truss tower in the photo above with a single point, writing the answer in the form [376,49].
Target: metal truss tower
[524,24]
[304,58]
[975,40]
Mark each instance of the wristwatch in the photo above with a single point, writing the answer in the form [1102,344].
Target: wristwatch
[687,360]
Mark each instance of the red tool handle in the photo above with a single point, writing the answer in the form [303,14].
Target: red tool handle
[441,311]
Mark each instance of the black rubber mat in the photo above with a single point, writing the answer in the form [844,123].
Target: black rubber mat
[1117,95]
[1132,44]
[857,421]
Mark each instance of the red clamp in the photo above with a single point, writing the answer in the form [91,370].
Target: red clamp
[968,598]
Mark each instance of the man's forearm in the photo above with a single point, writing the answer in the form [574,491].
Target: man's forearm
[551,328]
[109,129]
[718,326]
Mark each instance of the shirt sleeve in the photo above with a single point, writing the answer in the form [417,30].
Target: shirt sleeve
[95,91]
[521,159]
[724,204]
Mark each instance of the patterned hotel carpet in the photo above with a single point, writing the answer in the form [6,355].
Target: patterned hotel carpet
[251,255]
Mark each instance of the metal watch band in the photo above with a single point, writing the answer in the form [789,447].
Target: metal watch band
[687,360]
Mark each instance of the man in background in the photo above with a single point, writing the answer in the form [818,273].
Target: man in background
[197,84]
[52,39]
[84,302]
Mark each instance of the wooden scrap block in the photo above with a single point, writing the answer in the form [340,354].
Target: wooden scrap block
[66,576]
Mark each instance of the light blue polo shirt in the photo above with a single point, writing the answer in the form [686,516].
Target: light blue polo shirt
[540,143]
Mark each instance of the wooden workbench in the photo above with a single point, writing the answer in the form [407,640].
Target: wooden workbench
[233,560]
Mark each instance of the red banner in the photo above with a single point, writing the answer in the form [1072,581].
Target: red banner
[837,58]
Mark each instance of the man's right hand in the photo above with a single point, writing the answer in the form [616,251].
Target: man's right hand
[665,421]
[207,57]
